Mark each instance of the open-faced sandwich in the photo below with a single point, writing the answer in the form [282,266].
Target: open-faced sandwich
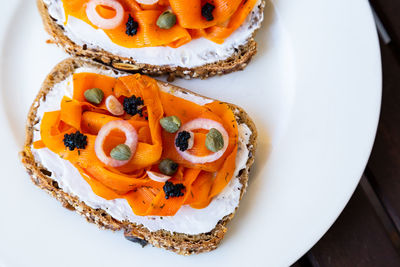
[195,38]
[128,152]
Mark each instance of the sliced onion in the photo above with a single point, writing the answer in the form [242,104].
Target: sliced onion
[206,124]
[191,140]
[131,141]
[114,106]
[158,177]
[147,2]
[101,22]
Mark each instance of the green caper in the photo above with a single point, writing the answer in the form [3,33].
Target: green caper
[214,140]
[166,20]
[94,95]
[121,152]
[171,124]
[168,167]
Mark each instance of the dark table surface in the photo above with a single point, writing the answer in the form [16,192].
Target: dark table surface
[367,233]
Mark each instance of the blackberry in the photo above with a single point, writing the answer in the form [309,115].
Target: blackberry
[75,140]
[206,11]
[132,105]
[182,141]
[131,26]
[173,190]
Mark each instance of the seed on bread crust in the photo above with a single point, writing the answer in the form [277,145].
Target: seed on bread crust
[137,240]
[124,66]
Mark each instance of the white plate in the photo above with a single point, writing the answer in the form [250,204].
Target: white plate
[314,92]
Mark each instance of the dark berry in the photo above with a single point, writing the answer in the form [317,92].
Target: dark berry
[131,26]
[140,241]
[168,167]
[132,105]
[182,141]
[75,140]
[206,11]
[173,190]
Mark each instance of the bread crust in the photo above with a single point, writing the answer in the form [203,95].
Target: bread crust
[238,61]
[177,242]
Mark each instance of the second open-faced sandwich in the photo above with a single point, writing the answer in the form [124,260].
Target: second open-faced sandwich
[182,38]
[161,163]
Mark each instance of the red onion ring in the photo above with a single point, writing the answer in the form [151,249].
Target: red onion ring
[147,2]
[158,177]
[114,106]
[191,140]
[101,22]
[206,124]
[131,141]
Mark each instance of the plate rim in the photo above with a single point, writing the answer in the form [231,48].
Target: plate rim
[374,38]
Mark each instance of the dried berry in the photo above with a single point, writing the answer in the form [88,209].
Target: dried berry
[214,140]
[170,124]
[168,167]
[75,140]
[166,20]
[94,95]
[173,190]
[182,141]
[206,11]
[133,105]
[131,26]
[121,152]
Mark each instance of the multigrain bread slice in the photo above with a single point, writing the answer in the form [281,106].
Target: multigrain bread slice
[177,242]
[237,61]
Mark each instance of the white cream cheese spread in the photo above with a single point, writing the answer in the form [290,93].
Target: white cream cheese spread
[187,220]
[195,53]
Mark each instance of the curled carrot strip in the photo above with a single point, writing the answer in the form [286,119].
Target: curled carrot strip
[71,112]
[189,12]
[219,33]
[38,144]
